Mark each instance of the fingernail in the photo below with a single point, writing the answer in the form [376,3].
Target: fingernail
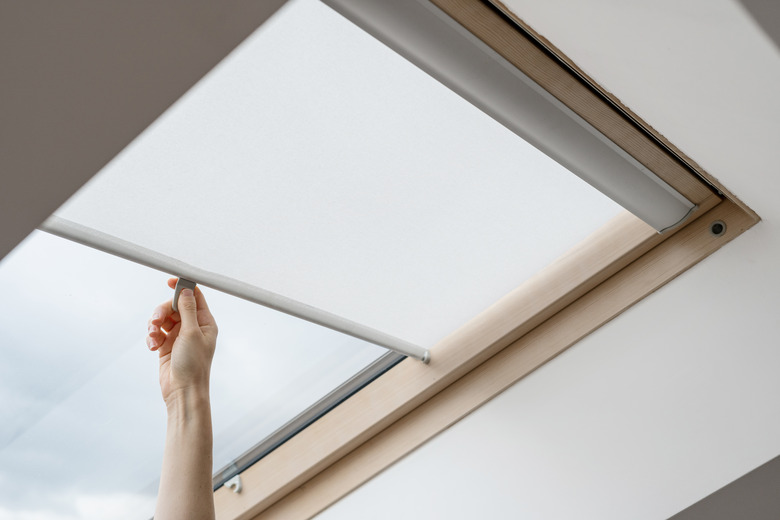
[186,292]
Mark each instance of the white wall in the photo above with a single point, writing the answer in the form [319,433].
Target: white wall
[678,396]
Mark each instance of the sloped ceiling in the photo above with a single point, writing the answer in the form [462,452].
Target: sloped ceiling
[752,496]
[81,79]
[79,82]
[766,13]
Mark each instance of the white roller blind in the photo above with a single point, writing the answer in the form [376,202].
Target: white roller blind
[316,163]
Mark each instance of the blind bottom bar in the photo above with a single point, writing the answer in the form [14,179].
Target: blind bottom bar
[116,246]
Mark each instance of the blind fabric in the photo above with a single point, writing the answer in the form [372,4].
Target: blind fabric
[317,164]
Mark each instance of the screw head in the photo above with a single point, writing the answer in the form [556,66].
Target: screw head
[718,228]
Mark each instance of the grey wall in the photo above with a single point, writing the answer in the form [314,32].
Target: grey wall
[754,496]
[81,79]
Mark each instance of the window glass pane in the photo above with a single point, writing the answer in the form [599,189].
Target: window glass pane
[82,423]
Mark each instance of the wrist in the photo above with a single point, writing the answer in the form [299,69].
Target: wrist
[184,404]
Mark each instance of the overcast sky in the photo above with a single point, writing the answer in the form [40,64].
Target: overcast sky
[81,418]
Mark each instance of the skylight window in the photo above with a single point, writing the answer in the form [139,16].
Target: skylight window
[313,162]
[318,165]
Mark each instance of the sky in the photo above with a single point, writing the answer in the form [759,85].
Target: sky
[81,419]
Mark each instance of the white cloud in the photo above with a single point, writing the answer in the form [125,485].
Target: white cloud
[117,506]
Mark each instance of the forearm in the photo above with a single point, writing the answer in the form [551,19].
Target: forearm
[185,482]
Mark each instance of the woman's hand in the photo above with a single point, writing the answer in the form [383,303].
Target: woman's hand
[185,342]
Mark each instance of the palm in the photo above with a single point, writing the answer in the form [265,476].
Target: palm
[165,376]
[185,359]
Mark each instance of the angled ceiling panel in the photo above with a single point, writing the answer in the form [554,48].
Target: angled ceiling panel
[81,79]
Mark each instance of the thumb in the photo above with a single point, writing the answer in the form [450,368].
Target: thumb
[188,310]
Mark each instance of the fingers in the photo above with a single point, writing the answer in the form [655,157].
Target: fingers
[160,313]
[193,313]
[154,340]
[166,346]
[201,299]
[170,321]
[194,306]
[205,319]
[155,336]
[188,309]
[161,323]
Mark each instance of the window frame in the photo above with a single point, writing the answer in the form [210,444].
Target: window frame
[611,270]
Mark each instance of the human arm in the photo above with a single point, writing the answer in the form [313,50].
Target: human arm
[185,342]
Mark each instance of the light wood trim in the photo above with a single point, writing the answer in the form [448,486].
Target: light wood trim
[410,383]
[600,305]
[487,24]
[620,242]
[337,452]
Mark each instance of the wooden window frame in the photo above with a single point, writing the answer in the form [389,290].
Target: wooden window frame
[594,282]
